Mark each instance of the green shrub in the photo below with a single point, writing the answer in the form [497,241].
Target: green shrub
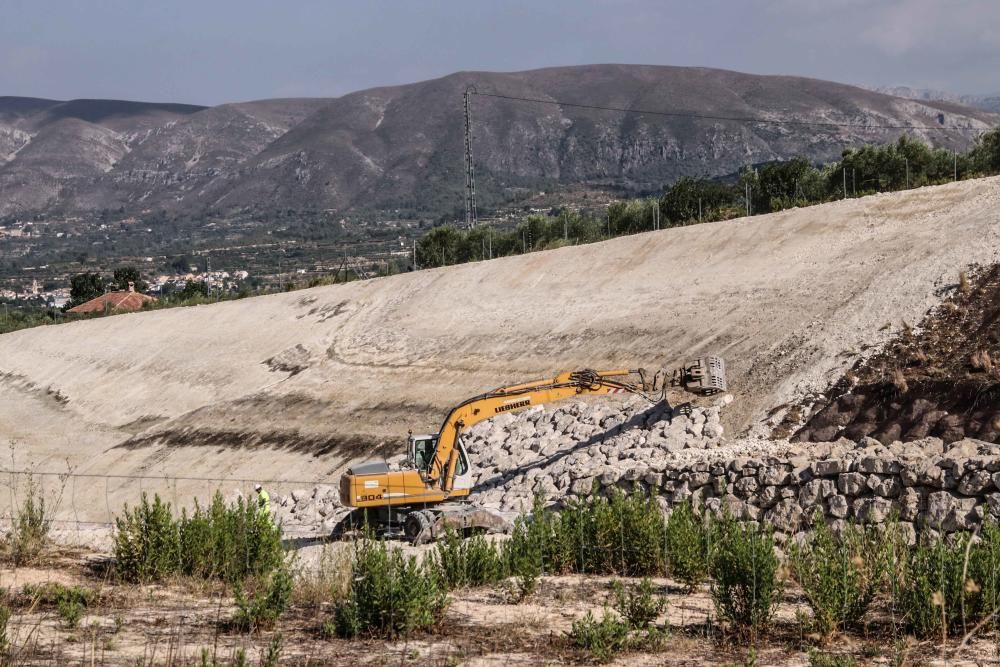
[265,607]
[228,542]
[467,562]
[744,568]
[30,533]
[819,659]
[603,639]
[687,542]
[984,570]
[638,605]
[225,542]
[644,533]
[936,588]
[210,659]
[524,553]
[70,611]
[147,546]
[51,594]
[390,594]
[68,601]
[840,576]
[621,534]
[484,563]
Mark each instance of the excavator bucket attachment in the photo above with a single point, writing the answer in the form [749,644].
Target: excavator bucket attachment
[705,376]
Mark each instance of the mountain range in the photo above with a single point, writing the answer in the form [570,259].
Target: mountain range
[984,102]
[402,147]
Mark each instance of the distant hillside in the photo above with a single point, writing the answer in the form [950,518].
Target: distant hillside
[984,102]
[401,147]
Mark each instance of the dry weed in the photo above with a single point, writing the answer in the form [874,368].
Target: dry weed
[981,361]
[963,282]
[899,380]
[328,581]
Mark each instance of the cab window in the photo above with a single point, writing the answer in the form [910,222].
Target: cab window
[463,463]
[423,452]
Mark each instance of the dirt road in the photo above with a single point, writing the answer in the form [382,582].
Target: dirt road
[291,386]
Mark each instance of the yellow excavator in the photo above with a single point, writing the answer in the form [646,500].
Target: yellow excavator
[423,498]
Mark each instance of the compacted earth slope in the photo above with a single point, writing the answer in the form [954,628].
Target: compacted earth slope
[292,386]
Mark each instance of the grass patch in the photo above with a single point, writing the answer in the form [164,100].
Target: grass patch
[51,594]
[69,602]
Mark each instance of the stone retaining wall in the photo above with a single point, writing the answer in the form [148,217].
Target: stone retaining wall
[567,452]
[924,484]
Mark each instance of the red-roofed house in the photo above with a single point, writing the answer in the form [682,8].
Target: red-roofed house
[114,302]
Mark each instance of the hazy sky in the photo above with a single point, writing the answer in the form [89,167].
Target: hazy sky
[212,51]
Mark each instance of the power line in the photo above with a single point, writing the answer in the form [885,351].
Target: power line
[733,119]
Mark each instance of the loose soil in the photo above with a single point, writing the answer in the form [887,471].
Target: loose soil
[936,379]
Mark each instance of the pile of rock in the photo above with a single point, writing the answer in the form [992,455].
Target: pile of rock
[562,452]
[308,511]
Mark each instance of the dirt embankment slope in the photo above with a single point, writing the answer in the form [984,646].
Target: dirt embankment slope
[939,379]
[294,384]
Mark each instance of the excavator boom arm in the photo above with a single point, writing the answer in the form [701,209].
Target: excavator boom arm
[373,485]
[515,398]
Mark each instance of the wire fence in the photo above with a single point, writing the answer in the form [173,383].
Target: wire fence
[82,504]
[608,539]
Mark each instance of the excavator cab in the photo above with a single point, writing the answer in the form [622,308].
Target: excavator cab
[420,452]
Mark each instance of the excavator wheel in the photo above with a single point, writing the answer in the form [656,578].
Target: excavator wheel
[417,527]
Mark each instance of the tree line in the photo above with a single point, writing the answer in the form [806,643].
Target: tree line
[91,284]
[905,163]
